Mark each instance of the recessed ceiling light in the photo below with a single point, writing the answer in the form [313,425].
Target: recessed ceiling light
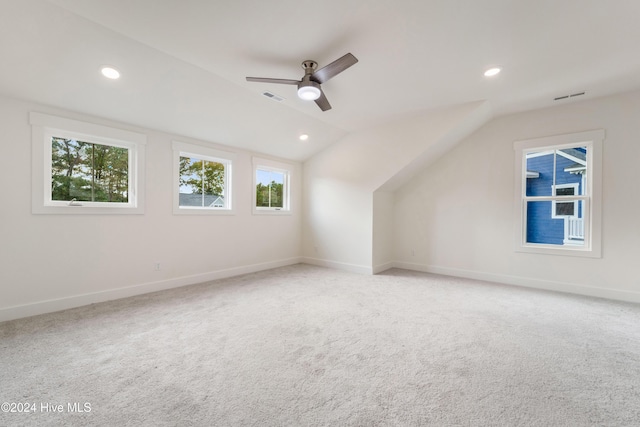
[492,72]
[110,73]
[304,137]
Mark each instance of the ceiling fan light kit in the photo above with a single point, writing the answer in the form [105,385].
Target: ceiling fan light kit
[309,87]
[309,91]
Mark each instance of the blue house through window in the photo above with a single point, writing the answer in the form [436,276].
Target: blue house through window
[558,173]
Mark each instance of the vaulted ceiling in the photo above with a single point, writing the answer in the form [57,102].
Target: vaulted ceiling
[184,62]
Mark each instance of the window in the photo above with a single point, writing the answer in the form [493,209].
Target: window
[85,168]
[202,179]
[558,194]
[82,171]
[271,183]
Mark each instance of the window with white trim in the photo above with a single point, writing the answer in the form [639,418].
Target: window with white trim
[271,181]
[202,179]
[80,167]
[559,194]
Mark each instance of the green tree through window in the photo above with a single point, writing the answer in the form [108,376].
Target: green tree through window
[269,195]
[89,172]
[270,189]
[203,182]
[202,176]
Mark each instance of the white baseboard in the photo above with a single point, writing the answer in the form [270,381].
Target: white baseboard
[49,306]
[353,268]
[615,294]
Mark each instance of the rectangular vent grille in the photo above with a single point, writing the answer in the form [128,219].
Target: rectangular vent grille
[568,96]
[273,96]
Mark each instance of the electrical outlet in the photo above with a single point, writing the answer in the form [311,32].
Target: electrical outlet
[156,266]
[413,252]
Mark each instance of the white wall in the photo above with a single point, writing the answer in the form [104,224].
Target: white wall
[455,217]
[339,183]
[458,215]
[383,206]
[51,262]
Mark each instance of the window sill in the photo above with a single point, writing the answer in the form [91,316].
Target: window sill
[567,250]
[267,211]
[86,210]
[202,211]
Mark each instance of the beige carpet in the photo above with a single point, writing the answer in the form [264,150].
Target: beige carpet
[309,346]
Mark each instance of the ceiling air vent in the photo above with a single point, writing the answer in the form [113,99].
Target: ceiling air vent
[273,96]
[568,96]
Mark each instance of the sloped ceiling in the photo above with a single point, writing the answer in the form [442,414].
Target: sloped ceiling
[184,62]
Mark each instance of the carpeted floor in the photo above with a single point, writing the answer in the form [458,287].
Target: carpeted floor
[310,346]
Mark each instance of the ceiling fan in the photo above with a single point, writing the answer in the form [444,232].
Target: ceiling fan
[309,86]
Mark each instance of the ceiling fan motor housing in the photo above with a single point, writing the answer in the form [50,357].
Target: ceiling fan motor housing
[309,66]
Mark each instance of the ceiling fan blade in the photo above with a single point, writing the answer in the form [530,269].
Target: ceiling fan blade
[323,102]
[278,81]
[336,67]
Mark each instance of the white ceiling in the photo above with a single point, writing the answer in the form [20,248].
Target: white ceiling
[184,62]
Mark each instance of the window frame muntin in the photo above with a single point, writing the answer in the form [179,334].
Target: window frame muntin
[592,213]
